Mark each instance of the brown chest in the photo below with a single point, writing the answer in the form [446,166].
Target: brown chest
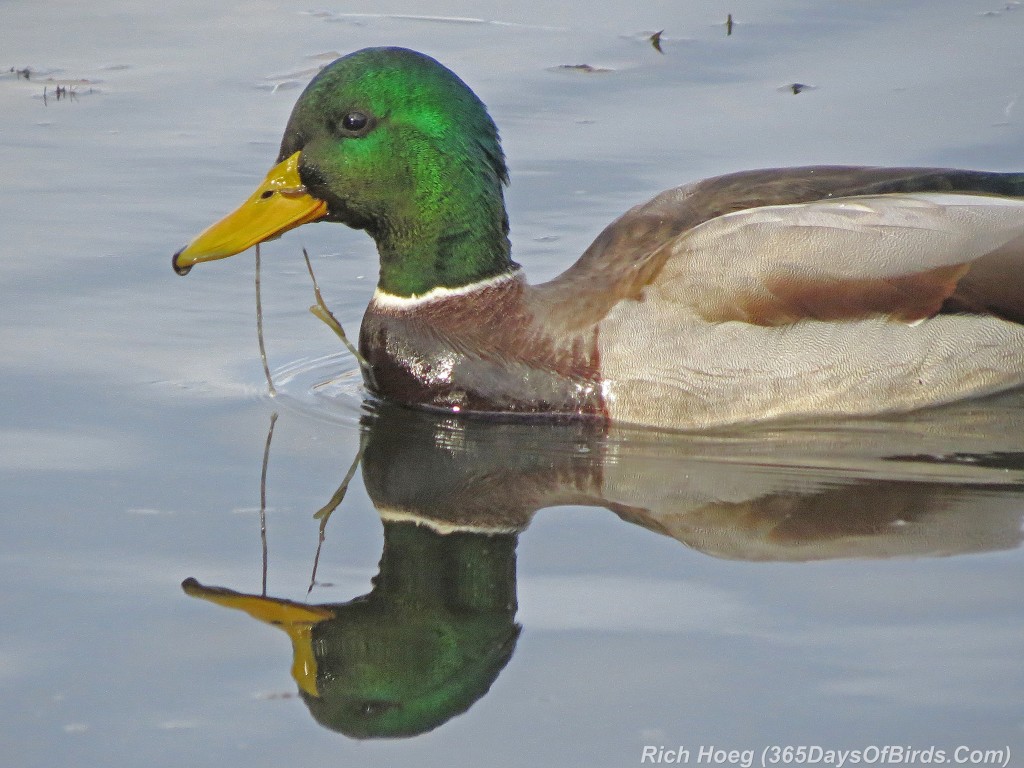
[480,351]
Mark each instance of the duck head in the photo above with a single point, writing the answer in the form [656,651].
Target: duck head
[389,141]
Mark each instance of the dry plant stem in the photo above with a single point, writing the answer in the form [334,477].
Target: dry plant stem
[321,311]
[259,327]
[324,513]
[263,497]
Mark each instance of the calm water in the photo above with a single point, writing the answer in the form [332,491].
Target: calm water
[841,586]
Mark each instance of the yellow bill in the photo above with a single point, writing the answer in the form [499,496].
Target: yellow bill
[296,619]
[280,203]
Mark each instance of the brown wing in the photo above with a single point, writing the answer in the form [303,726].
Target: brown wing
[902,256]
[629,256]
[994,285]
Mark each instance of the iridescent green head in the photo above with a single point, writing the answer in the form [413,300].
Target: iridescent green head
[390,141]
[398,145]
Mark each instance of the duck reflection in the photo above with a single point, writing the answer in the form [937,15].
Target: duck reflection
[454,494]
[421,647]
[728,496]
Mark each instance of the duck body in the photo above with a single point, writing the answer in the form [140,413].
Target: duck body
[635,333]
[819,291]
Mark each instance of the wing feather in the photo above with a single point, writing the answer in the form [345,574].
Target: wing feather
[900,255]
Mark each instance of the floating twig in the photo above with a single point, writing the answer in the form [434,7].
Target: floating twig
[263,497]
[796,88]
[589,69]
[259,327]
[728,25]
[321,311]
[324,513]
[66,92]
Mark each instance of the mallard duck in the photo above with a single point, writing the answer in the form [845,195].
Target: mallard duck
[797,292]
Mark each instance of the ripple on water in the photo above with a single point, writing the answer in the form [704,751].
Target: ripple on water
[327,388]
[964,442]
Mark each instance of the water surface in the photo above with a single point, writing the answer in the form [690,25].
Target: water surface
[579,597]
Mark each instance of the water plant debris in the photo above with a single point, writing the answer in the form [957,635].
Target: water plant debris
[321,311]
[259,328]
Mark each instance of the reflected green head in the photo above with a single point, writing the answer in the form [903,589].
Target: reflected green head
[426,643]
[387,674]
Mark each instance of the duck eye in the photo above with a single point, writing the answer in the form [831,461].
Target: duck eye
[354,122]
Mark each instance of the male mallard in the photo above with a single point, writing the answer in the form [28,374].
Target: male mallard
[791,292]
